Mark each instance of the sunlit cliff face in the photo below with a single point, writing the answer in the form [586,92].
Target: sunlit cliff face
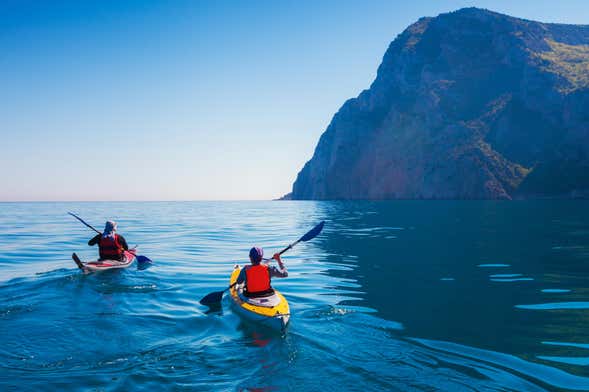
[468,105]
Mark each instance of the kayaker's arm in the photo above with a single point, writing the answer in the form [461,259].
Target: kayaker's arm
[123,242]
[241,276]
[280,272]
[95,240]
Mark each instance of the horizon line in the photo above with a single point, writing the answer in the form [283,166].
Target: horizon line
[131,201]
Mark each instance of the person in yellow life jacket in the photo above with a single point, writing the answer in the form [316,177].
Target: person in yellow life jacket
[110,244]
[258,275]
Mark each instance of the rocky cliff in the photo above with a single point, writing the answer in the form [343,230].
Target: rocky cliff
[470,105]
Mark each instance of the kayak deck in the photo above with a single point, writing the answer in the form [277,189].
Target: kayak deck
[275,317]
[103,265]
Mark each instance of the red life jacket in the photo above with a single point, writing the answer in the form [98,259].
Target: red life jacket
[257,279]
[110,248]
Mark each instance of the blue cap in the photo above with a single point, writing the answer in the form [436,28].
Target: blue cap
[256,254]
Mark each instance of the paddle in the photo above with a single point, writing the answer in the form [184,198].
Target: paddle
[82,220]
[215,297]
[140,259]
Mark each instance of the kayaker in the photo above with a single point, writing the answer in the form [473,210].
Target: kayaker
[258,275]
[110,244]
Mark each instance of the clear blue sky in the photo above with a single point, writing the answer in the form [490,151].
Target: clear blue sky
[189,100]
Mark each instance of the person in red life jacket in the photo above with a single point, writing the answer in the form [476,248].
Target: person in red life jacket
[257,276]
[110,244]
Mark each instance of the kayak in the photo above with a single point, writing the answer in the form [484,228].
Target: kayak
[272,311]
[103,265]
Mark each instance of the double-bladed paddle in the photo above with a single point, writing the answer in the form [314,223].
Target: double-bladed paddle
[215,297]
[140,259]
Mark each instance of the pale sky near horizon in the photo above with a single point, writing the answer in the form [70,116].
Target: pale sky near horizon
[189,100]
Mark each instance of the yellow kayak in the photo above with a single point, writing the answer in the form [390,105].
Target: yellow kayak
[270,311]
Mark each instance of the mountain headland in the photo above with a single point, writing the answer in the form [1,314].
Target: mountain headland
[470,104]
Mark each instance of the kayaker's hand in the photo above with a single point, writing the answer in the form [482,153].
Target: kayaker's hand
[278,259]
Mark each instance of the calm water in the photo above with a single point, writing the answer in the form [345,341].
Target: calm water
[406,295]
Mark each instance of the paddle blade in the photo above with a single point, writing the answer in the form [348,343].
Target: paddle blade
[314,232]
[212,298]
[143,259]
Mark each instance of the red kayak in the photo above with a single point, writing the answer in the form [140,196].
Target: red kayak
[103,265]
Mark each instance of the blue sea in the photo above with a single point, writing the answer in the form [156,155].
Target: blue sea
[391,296]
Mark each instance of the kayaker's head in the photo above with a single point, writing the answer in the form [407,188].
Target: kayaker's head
[109,228]
[256,255]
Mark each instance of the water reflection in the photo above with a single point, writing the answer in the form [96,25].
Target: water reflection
[422,264]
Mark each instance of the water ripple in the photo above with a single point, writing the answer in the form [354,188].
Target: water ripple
[386,298]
